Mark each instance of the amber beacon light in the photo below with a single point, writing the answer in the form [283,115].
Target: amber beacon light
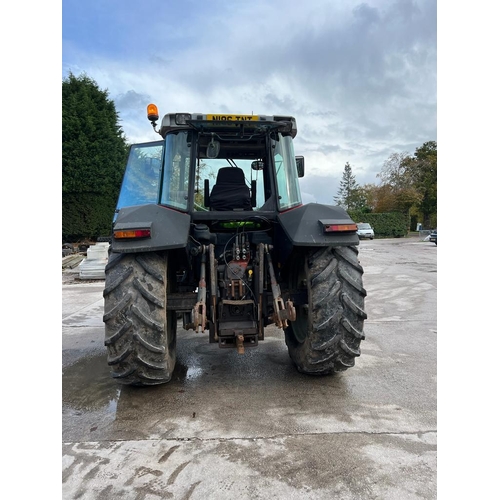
[152,112]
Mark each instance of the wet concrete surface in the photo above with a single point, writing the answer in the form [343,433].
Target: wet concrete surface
[251,426]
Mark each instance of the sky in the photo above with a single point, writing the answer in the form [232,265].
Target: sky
[360,77]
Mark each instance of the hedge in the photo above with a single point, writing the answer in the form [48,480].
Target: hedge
[385,225]
[86,216]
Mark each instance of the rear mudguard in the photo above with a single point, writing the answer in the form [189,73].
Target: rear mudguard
[302,226]
[169,229]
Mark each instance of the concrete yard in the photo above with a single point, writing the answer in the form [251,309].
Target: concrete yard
[250,426]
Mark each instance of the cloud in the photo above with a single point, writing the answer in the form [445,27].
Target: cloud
[359,77]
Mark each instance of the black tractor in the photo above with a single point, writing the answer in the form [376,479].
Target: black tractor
[210,233]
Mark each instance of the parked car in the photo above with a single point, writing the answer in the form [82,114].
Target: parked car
[434,236]
[365,230]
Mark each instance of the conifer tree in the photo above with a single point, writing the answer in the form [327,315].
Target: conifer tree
[94,154]
[349,191]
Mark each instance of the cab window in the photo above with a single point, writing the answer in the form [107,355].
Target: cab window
[175,185]
[142,174]
[286,174]
[209,168]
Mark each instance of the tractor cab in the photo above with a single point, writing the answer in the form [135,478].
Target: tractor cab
[226,163]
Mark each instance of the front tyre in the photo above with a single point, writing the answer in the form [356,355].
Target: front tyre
[140,334]
[326,335]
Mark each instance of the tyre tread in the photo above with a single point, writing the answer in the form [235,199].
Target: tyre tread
[336,311]
[139,331]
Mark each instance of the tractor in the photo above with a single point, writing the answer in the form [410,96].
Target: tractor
[210,234]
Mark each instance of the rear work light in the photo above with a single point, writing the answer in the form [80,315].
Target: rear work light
[121,234]
[334,227]
[182,118]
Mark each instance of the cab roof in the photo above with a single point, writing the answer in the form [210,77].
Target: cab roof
[228,123]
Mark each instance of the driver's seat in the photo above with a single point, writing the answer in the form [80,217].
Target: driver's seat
[230,191]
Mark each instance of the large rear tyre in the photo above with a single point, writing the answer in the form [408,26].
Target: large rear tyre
[327,332]
[140,334]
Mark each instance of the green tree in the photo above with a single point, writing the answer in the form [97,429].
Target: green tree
[425,165]
[349,195]
[94,153]
[409,184]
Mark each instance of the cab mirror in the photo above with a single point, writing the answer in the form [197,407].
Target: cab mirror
[299,160]
[213,149]
[258,165]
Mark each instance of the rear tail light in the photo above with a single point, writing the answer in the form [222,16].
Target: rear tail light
[339,227]
[332,226]
[121,234]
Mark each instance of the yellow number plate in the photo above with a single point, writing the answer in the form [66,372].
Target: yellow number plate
[232,118]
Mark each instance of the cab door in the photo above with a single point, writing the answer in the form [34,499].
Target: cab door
[141,181]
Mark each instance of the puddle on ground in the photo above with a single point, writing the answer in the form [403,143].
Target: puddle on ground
[193,373]
[87,385]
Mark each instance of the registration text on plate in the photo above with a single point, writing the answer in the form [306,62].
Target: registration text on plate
[232,118]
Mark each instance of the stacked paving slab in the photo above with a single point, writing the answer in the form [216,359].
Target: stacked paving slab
[93,266]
